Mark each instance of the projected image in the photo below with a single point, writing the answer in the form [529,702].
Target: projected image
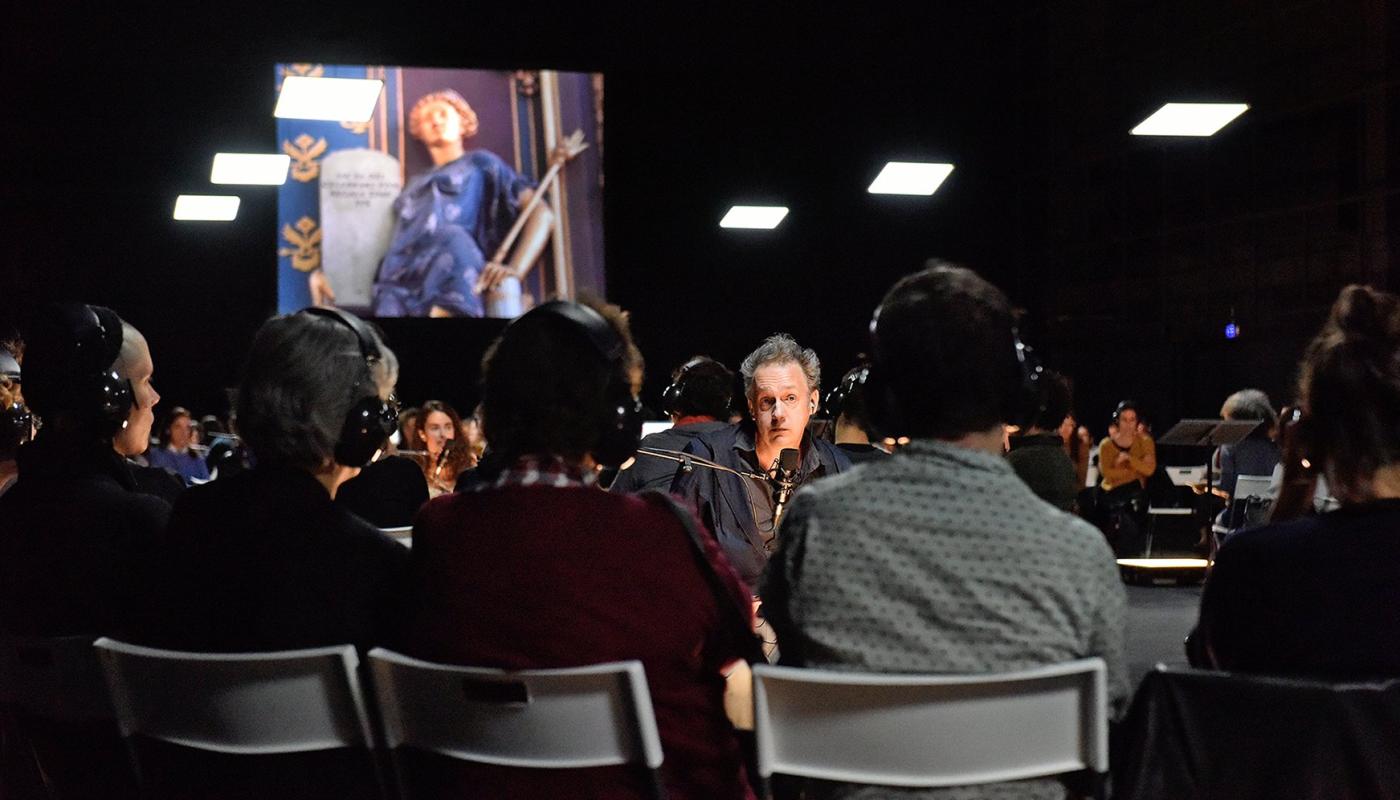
[466,193]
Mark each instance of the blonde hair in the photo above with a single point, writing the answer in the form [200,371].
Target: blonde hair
[448,96]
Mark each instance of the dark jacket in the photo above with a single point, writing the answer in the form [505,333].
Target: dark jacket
[1041,461]
[723,500]
[264,560]
[74,533]
[650,472]
[386,493]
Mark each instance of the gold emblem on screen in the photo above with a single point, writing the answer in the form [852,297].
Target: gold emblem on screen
[304,151]
[305,239]
[304,70]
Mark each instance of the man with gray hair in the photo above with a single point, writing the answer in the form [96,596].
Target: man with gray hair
[782,386]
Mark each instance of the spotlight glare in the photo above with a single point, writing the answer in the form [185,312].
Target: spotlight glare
[910,177]
[250,169]
[1189,119]
[755,217]
[328,99]
[206,207]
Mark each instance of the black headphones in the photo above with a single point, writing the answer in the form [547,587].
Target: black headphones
[1022,401]
[370,421]
[672,395]
[836,398]
[93,389]
[621,424]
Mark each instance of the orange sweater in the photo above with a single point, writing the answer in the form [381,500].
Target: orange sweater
[1139,466]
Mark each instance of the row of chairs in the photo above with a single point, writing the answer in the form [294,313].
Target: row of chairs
[876,729]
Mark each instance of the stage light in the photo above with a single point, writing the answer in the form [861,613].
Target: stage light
[206,207]
[910,177]
[758,217]
[329,99]
[1232,331]
[250,169]
[1189,119]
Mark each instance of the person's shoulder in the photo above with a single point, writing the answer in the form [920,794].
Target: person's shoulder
[833,455]
[484,159]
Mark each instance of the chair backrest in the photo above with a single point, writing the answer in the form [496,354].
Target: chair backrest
[931,730]
[403,535]
[1253,486]
[295,701]
[58,678]
[1194,733]
[590,716]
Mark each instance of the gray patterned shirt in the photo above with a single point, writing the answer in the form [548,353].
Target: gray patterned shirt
[940,560]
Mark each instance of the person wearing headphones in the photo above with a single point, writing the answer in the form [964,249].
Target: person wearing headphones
[853,431]
[697,401]
[264,560]
[939,559]
[535,566]
[16,422]
[1127,456]
[782,385]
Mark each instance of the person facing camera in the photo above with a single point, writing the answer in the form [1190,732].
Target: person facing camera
[535,566]
[75,527]
[939,559]
[1319,597]
[174,448]
[264,560]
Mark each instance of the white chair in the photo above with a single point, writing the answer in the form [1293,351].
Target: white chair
[932,730]
[599,715]
[403,536]
[57,678]
[295,701]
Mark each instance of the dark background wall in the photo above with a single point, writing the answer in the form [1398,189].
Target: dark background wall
[1129,255]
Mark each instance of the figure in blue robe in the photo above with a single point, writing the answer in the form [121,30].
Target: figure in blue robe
[447,223]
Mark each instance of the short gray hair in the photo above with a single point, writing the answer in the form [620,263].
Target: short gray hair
[781,348]
[1249,404]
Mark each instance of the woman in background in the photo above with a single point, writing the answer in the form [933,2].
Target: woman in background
[445,450]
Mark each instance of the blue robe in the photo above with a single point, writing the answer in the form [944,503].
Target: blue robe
[447,222]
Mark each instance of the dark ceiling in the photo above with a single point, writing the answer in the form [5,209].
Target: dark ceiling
[1128,255]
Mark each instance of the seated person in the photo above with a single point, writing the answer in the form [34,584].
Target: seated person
[697,401]
[386,493]
[917,563]
[1257,454]
[1127,456]
[1319,596]
[174,450]
[16,423]
[445,452]
[1038,454]
[535,566]
[846,403]
[264,560]
[782,384]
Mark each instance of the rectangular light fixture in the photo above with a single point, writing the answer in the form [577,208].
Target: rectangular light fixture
[329,99]
[1189,119]
[250,169]
[206,207]
[910,177]
[757,217]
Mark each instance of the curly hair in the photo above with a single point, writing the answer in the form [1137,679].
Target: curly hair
[470,123]
[780,349]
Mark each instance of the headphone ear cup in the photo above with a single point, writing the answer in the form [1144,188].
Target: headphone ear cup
[671,398]
[880,404]
[622,430]
[111,399]
[367,426]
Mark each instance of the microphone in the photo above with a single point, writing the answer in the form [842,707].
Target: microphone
[785,472]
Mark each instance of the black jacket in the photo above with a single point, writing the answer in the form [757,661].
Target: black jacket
[264,560]
[74,534]
[650,472]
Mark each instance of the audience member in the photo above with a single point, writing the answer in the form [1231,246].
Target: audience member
[846,405]
[1257,454]
[782,384]
[1038,454]
[1319,596]
[697,401]
[264,560]
[16,423]
[536,567]
[1127,456]
[174,450]
[939,559]
[408,429]
[387,493]
[74,528]
[1077,443]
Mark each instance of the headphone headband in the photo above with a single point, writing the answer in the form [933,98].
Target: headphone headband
[370,421]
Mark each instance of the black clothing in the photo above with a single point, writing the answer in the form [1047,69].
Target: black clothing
[650,472]
[265,561]
[1317,597]
[386,493]
[737,510]
[1041,462]
[860,453]
[74,530]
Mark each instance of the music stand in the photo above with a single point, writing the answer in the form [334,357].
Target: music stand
[1210,433]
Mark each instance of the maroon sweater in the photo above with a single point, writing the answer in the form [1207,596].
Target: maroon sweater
[532,577]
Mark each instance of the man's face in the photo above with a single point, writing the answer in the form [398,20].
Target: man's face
[136,436]
[180,434]
[781,404]
[439,123]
